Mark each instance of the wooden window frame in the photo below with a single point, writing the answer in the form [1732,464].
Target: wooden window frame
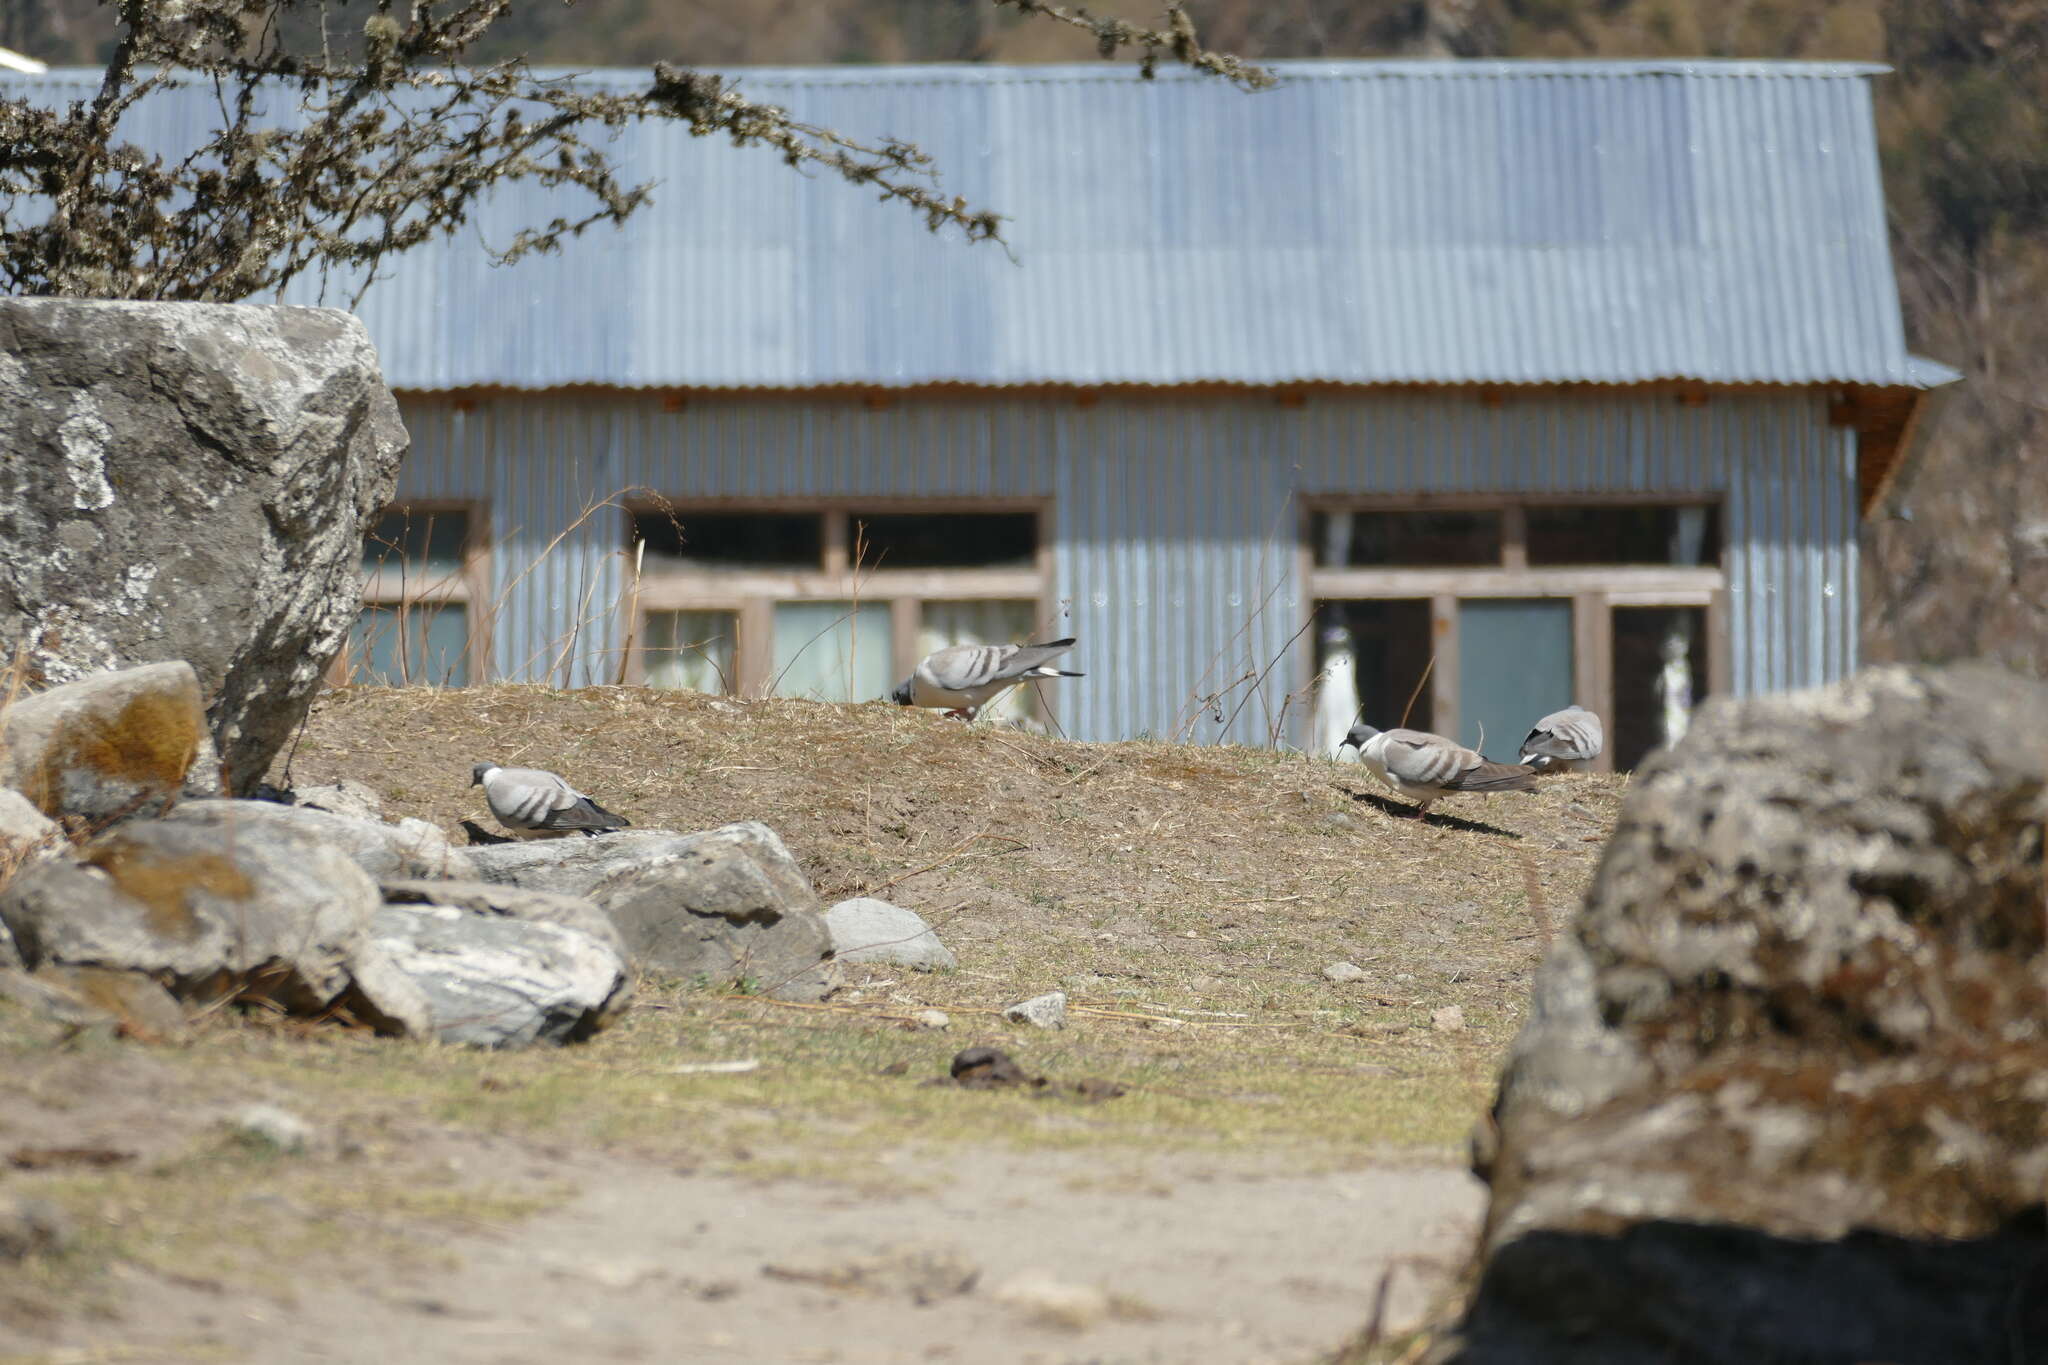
[467,586]
[751,594]
[1593,590]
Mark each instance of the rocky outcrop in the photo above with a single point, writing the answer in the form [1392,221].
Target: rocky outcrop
[190,481]
[868,930]
[1783,1091]
[105,747]
[264,915]
[483,980]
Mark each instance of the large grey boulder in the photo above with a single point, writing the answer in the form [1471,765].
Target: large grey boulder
[211,913]
[190,481]
[410,848]
[483,980]
[1783,1091]
[727,904]
[868,930]
[104,747]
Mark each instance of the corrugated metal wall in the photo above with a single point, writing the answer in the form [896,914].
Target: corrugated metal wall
[1174,515]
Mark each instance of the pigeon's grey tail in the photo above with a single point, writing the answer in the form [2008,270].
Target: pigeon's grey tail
[1495,777]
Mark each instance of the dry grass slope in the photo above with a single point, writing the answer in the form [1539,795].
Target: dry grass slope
[1186,899]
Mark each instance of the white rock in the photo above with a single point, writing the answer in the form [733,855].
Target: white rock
[868,930]
[1052,1301]
[1344,973]
[22,826]
[266,1123]
[1044,1011]
[1449,1019]
[934,1019]
[490,982]
[357,800]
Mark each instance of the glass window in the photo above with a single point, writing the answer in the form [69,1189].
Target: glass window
[1514,667]
[692,650]
[832,651]
[943,540]
[732,540]
[1441,538]
[981,623]
[1624,535]
[394,645]
[429,540]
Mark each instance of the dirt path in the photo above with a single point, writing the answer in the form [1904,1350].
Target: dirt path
[1199,1261]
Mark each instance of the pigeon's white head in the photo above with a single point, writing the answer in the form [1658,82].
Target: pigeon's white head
[1358,735]
[480,772]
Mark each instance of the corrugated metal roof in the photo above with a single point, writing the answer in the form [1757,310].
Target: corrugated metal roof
[1362,223]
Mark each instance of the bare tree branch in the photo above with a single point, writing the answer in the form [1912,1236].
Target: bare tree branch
[334,153]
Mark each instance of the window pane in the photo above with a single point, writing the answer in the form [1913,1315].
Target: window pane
[943,540]
[427,541]
[691,649]
[1432,539]
[1514,668]
[392,646]
[732,540]
[832,651]
[1624,535]
[981,623]
[1371,658]
[1660,674]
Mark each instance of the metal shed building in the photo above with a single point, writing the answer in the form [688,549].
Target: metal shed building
[1507,382]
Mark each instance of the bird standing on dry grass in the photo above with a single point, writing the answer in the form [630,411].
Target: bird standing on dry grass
[1572,737]
[965,678]
[532,803]
[1425,767]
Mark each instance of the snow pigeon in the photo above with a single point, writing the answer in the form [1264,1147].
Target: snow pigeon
[1570,736]
[1425,767]
[963,678]
[533,804]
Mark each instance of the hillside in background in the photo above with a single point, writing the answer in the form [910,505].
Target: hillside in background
[1956,566]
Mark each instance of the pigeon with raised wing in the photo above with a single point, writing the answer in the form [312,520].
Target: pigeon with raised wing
[964,678]
[1425,767]
[1571,736]
[535,804]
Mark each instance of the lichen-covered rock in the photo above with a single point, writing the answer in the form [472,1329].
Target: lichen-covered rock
[140,1006]
[241,913]
[487,981]
[868,930]
[190,481]
[410,848]
[728,905]
[1783,1091]
[105,747]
